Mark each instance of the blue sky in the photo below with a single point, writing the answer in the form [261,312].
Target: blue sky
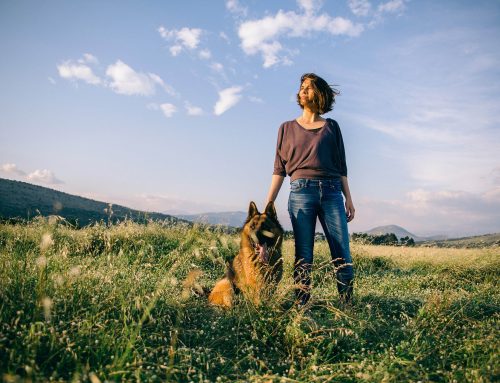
[175,106]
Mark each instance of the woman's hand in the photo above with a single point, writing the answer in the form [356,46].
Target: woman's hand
[349,209]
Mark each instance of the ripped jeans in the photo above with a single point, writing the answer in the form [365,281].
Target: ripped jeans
[311,199]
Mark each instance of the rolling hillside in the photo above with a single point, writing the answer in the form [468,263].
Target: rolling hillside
[23,200]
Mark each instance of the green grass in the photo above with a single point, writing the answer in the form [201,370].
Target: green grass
[116,303]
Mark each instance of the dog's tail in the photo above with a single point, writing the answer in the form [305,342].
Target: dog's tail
[190,285]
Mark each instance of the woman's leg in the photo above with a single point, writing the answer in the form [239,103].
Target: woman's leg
[303,207]
[333,219]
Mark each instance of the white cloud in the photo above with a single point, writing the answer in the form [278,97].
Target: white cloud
[205,54]
[40,175]
[188,38]
[225,37]
[235,7]
[168,109]
[175,50]
[228,98]
[52,81]
[392,6]
[310,6]
[360,7]
[193,110]
[125,80]
[88,59]
[425,212]
[12,169]
[44,176]
[261,35]
[218,67]
[167,88]
[78,71]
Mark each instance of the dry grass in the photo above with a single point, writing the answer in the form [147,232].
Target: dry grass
[116,303]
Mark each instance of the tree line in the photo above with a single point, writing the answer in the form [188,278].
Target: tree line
[383,239]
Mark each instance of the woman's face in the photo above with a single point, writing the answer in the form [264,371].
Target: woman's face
[306,93]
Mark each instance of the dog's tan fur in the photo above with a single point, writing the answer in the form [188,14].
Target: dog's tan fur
[258,265]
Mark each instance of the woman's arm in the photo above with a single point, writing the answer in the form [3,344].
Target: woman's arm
[275,187]
[349,206]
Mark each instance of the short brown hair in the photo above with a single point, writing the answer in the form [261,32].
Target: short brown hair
[324,94]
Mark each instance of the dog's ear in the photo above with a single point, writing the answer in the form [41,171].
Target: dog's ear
[252,210]
[271,210]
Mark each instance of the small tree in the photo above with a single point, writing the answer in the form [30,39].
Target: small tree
[407,241]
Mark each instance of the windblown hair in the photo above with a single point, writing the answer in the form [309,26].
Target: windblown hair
[324,94]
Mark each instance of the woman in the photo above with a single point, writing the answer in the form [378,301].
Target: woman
[310,150]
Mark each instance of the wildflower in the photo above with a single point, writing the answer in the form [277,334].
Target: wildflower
[74,271]
[47,306]
[46,241]
[41,261]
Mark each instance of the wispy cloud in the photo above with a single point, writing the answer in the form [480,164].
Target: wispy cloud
[193,110]
[263,35]
[158,80]
[225,37]
[393,6]
[205,54]
[360,7]
[218,67]
[228,98]
[442,119]
[255,99]
[310,6]
[88,58]
[453,212]
[184,38]
[236,8]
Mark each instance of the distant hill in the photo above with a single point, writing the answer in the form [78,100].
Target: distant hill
[23,200]
[398,230]
[231,218]
[478,241]
[401,233]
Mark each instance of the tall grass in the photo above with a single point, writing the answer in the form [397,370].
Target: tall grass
[118,303]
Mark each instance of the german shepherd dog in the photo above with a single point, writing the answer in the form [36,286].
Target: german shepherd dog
[258,266]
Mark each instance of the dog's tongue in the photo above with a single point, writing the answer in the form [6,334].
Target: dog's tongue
[263,254]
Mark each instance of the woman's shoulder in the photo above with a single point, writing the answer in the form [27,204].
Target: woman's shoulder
[287,125]
[332,122]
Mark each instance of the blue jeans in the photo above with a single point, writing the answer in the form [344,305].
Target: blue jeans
[311,199]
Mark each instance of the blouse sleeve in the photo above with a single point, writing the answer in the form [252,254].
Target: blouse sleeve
[341,151]
[279,163]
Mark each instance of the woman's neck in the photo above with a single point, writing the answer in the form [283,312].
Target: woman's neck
[308,116]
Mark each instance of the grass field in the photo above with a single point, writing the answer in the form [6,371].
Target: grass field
[116,303]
